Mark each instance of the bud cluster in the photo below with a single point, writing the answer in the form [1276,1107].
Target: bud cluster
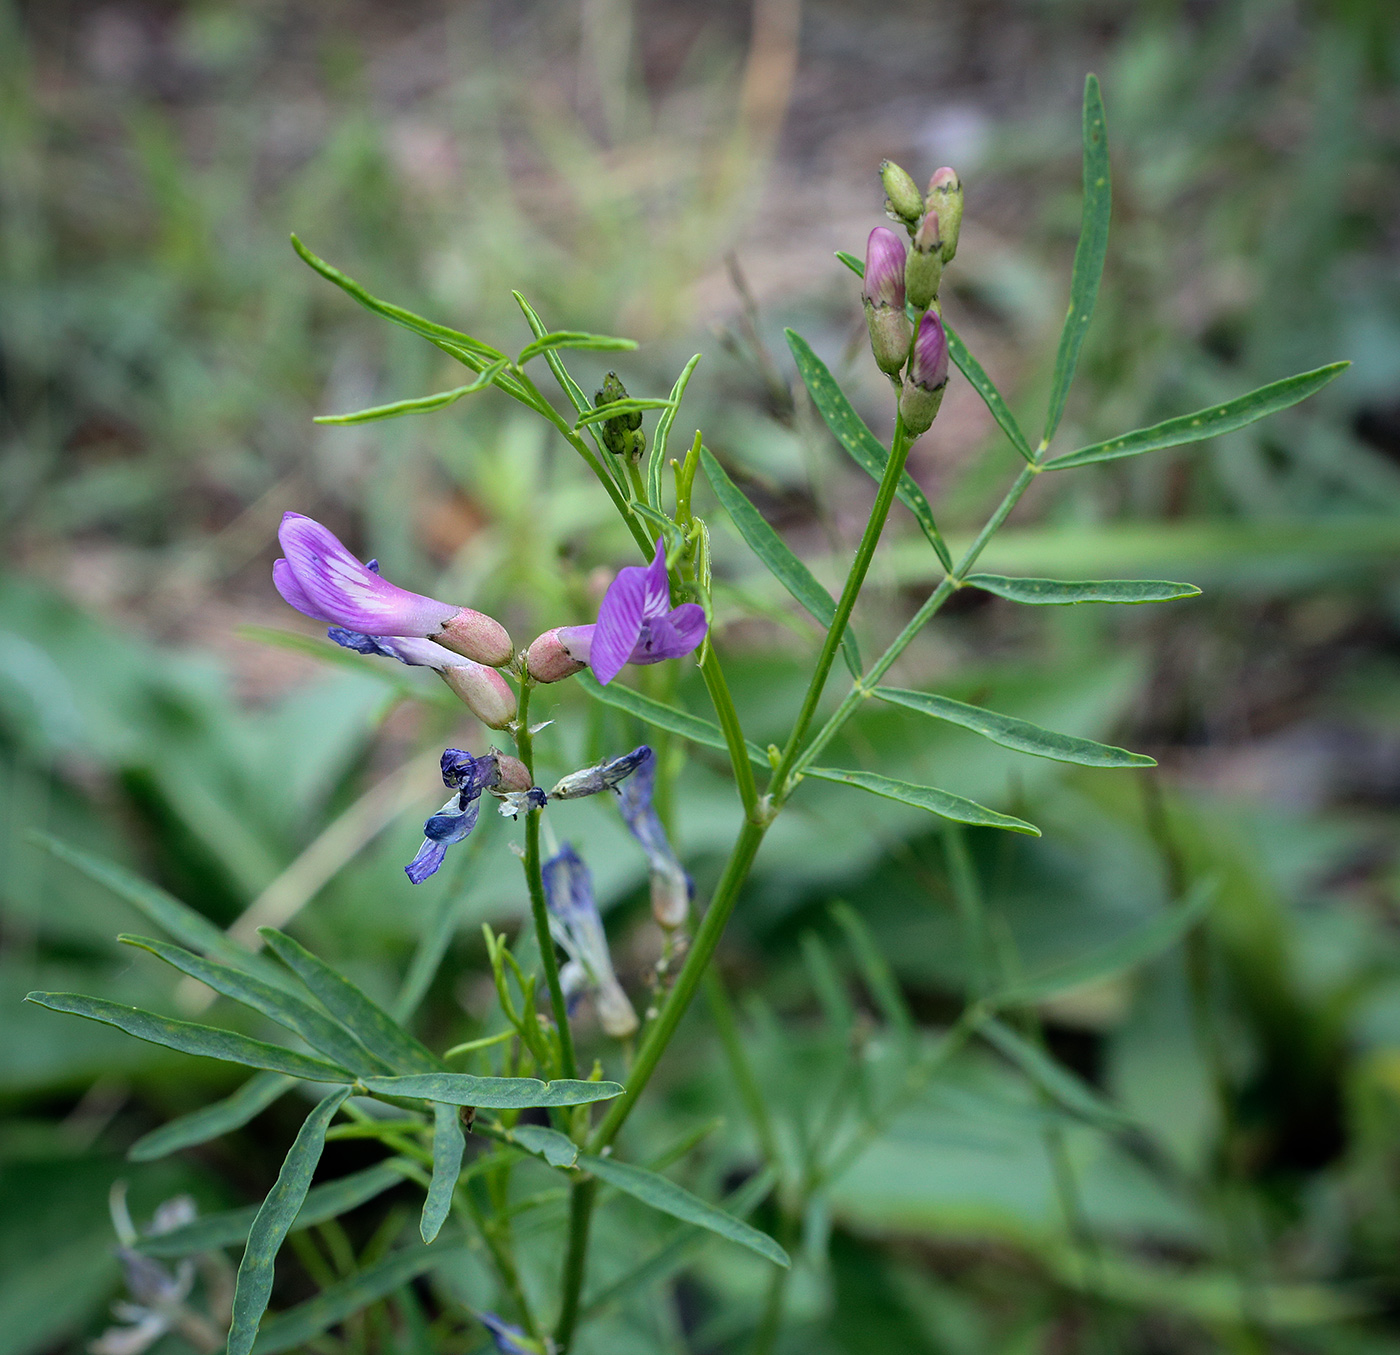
[899,279]
[622,436]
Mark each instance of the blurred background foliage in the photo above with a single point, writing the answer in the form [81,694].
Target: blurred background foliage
[681,173]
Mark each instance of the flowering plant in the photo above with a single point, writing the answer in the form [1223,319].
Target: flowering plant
[384,1083]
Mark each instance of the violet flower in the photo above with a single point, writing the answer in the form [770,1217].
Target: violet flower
[322,579]
[575,924]
[467,777]
[485,692]
[671,886]
[636,624]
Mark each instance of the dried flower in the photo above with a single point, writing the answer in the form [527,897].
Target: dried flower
[468,777]
[671,887]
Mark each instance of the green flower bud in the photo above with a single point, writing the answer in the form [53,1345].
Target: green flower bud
[903,201]
[923,269]
[945,195]
[616,434]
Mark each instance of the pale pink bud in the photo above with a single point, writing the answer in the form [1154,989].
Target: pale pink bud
[945,193]
[923,271]
[928,375]
[549,659]
[486,693]
[476,636]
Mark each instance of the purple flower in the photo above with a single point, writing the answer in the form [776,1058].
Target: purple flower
[671,887]
[928,376]
[576,925]
[884,269]
[636,623]
[320,578]
[466,776]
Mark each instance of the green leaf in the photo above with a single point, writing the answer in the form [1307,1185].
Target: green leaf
[428,329]
[688,726]
[1060,592]
[775,554]
[1065,1088]
[863,447]
[365,1019]
[665,1195]
[288,1010]
[494,1093]
[207,1041]
[991,396]
[423,404]
[1010,732]
[302,1324]
[572,338]
[448,1147]
[616,408]
[230,1227]
[1206,423]
[879,978]
[941,802]
[559,1150]
[274,1220]
[167,912]
[663,432]
[1088,254]
[855,264]
[567,384]
[209,1122]
[1134,949]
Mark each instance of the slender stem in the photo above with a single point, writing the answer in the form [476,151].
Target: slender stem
[723,703]
[855,579]
[707,936]
[534,879]
[967,894]
[946,588]
[581,1200]
[501,1259]
[722,1012]
[771,1323]
[634,478]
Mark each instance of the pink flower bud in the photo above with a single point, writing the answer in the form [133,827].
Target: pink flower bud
[548,659]
[945,194]
[923,270]
[883,295]
[486,693]
[513,775]
[476,636]
[928,375]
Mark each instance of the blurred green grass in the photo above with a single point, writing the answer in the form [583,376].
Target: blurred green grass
[161,355]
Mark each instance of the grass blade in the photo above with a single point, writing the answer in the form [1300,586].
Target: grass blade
[288,1010]
[189,1038]
[209,1122]
[1206,423]
[991,396]
[495,1093]
[572,338]
[663,432]
[365,1019]
[1144,944]
[863,447]
[1066,1089]
[688,726]
[1061,592]
[879,978]
[230,1227]
[777,557]
[665,1195]
[941,802]
[1088,254]
[448,1147]
[274,1220]
[1010,732]
[308,1320]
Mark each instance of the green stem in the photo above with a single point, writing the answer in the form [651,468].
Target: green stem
[946,588]
[534,879]
[581,1200]
[734,739]
[501,1259]
[855,579]
[771,1323]
[740,1069]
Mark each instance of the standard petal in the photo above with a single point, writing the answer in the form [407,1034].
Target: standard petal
[620,620]
[348,593]
[657,601]
[292,593]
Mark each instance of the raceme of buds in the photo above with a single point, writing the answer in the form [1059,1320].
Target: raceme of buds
[623,435]
[484,691]
[323,580]
[549,660]
[882,294]
[945,196]
[923,270]
[577,927]
[928,375]
[903,201]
